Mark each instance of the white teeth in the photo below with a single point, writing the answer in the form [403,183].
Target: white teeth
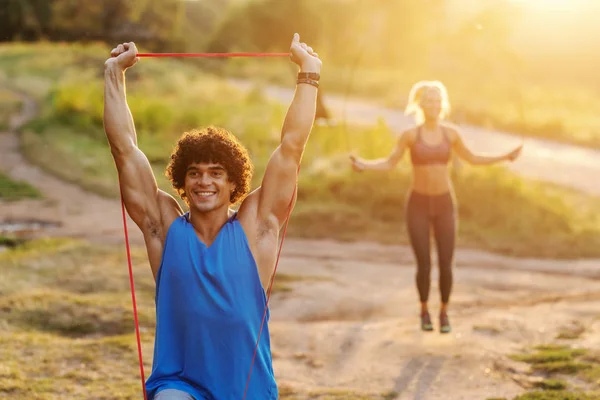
[204,194]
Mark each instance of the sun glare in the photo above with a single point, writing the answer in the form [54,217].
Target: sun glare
[555,5]
[561,25]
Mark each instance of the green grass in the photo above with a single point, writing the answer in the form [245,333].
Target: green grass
[67,329]
[555,361]
[6,241]
[35,68]
[11,190]
[547,355]
[42,366]
[498,211]
[552,384]
[558,395]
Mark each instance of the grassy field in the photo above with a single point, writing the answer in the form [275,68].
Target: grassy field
[498,211]
[567,373]
[11,190]
[62,332]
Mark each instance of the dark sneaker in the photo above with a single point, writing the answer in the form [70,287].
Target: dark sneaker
[426,324]
[444,323]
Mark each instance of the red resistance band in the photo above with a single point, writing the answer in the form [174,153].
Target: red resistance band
[135,314]
[131,281]
[213,54]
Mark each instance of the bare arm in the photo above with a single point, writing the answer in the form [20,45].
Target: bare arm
[472,158]
[274,197]
[384,164]
[149,208]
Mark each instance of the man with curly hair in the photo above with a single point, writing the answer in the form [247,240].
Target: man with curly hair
[211,264]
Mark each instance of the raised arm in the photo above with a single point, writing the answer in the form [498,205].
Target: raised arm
[472,158]
[387,163]
[279,182]
[149,208]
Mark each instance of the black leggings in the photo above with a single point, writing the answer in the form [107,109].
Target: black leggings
[423,212]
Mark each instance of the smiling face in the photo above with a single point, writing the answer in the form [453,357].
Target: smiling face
[431,104]
[207,187]
[213,159]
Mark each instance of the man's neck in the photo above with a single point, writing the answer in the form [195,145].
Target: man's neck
[207,225]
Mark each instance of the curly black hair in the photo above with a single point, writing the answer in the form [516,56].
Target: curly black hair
[211,145]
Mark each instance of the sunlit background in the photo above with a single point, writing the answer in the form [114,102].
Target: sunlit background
[514,64]
[515,69]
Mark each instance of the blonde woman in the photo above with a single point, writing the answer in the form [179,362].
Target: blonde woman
[431,201]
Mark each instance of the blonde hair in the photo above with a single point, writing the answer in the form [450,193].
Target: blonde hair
[416,93]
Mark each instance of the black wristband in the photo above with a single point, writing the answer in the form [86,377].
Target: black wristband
[308,81]
[315,76]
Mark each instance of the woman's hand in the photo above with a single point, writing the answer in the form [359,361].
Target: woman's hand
[357,164]
[513,155]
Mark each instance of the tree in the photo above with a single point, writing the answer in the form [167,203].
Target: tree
[155,24]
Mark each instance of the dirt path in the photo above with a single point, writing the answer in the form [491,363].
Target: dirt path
[74,211]
[357,326]
[353,324]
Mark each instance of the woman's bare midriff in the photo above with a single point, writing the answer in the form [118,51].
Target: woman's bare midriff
[431,180]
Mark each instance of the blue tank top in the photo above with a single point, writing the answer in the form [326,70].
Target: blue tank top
[209,307]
